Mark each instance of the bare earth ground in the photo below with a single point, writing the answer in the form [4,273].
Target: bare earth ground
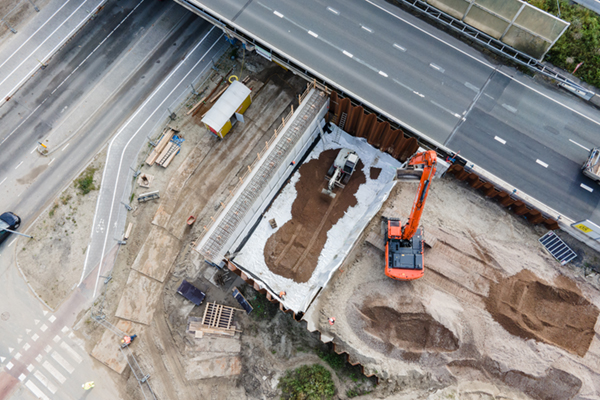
[21,11]
[494,316]
[52,262]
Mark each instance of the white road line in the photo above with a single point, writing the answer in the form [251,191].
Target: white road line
[22,122]
[383,74]
[57,375]
[72,353]
[570,140]
[34,149]
[11,243]
[37,392]
[3,180]
[45,381]
[64,148]
[19,165]
[543,164]
[509,108]
[432,65]
[311,33]
[63,363]
[586,187]
[403,85]
[280,15]
[418,94]
[51,161]
[367,29]
[396,45]
[472,87]
[336,12]
[39,358]
[347,54]
[445,109]
[499,139]
[154,93]
[488,96]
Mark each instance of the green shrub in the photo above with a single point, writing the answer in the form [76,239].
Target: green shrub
[307,383]
[85,182]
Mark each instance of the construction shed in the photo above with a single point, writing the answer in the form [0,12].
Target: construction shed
[228,109]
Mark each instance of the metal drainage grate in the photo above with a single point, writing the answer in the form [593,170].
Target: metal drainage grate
[557,248]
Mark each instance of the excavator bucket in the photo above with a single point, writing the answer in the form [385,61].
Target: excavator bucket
[409,174]
[328,192]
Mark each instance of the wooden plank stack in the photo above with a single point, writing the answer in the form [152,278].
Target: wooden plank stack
[162,145]
[217,319]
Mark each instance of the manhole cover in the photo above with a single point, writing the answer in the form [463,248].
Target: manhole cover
[5,316]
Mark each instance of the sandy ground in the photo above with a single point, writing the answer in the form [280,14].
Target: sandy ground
[53,261]
[493,317]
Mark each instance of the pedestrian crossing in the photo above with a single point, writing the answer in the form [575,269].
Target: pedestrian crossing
[53,364]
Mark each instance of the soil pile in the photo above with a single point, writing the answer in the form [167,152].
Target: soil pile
[532,309]
[293,251]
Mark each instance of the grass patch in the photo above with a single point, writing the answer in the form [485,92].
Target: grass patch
[307,383]
[579,44]
[263,308]
[52,210]
[85,182]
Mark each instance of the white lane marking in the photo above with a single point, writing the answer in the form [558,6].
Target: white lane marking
[472,87]
[19,165]
[63,363]
[48,349]
[432,65]
[418,94]
[39,358]
[396,45]
[72,353]
[64,329]
[51,161]
[18,356]
[26,346]
[30,367]
[509,108]
[586,187]
[43,328]
[45,381]
[383,74]
[543,164]
[37,392]
[34,149]
[22,377]
[445,109]
[35,337]
[499,139]
[64,148]
[280,15]
[50,368]
[487,95]
[336,12]
[311,33]
[52,318]
[403,85]
[347,54]
[27,331]
[154,93]
[56,339]
[11,243]
[367,29]
[10,350]
[3,180]
[9,365]
[570,140]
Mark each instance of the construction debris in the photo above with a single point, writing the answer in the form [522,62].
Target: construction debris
[148,196]
[217,320]
[242,300]
[197,105]
[145,180]
[170,151]
[128,231]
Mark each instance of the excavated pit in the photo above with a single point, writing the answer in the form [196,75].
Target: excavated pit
[293,251]
[530,308]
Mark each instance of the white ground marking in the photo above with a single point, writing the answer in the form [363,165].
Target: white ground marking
[64,148]
[36,390]
[403,85]
[472,87]
[71,335]
[9,365]
[3,180]
[50,368]
[445,109]
[34,149]
[45,312]
[36,321]
[336,12]
[64,329]
[580,145]
[2,359]
[586,187]
[383,74]
[63,363]
[39,358]
[30,367]
[51,161]
[509,108]
[26,346]
[487,95]
[19,165]
[347,54]
[311,33]
[10,350]
[48,349]
[418,94]
[18,356]
[543,164]
[499,139]
[396,45]
[280,15]
[56,339]
[45,381]
[35,337]
[22,377]
[27,331]
[432,65]
[367,29]
[43,328]
[72,353]
[52,318]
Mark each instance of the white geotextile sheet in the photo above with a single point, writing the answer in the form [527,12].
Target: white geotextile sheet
[340,238]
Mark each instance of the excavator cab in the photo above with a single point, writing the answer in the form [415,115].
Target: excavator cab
[404,244]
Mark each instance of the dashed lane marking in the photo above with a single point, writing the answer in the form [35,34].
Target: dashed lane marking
[347,54]
[19,165]
[499,139]
[586,187]
[383,74]
[543,164]
[437,67]
[336,12]
[509,108]
[64,148]
[280,15]
[472,87]
[580,145]
[367,29]
[396,45]
[51,161]
[403,85]
[311,33]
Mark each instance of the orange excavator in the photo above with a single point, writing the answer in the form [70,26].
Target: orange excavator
[404,244]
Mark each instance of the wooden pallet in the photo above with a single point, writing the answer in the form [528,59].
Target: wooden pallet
[217,319]
[162,143]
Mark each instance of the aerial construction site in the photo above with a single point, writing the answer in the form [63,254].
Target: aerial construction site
[275,224]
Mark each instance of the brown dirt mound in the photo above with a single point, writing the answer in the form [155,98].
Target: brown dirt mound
[415,332]
[374,173]
[293,251]
[532,309]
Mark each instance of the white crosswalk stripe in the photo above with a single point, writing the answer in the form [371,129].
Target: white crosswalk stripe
[62,362]
[45,381]
[37,392]
[71,352]
[50,368]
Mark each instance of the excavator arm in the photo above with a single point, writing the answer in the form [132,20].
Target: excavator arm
[428,160]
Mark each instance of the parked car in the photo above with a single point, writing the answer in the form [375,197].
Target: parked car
[10,221]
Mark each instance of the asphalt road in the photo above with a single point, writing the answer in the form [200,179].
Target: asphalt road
[114,79]
[436,86]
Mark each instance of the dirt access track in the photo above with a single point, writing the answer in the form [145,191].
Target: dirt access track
[493,317]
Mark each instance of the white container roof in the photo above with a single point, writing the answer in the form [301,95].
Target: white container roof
[227,104]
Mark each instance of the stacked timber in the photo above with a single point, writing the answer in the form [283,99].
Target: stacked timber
[162,144]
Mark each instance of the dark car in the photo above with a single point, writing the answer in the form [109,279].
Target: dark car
[10,221]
